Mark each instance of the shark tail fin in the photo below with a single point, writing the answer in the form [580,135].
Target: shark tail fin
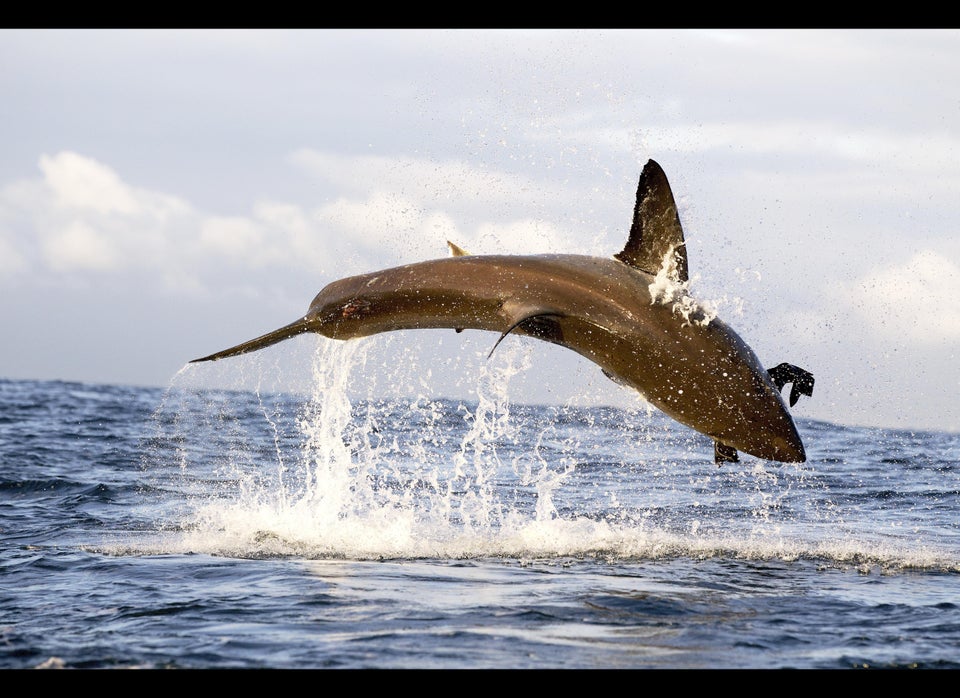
[656,231]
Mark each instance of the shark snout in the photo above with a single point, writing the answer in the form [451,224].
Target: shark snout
[773,438]
[786,448]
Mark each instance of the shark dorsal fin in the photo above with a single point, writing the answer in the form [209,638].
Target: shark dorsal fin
[656,229]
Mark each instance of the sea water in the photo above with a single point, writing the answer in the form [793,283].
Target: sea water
[190,527]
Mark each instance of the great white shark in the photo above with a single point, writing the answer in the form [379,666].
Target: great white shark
[630,314]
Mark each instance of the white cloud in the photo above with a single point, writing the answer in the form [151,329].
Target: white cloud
[525,236]
[232,236]
[81,217]
[929,151]
[292,236]
[916,300]
[386,228]
[81,182]
[79,247]
[408,207]
[428,181]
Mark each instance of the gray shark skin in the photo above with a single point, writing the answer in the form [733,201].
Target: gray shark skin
[628,314]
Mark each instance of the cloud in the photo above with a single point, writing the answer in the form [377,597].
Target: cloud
[81,182]
[917,300]
[80,217]
[430,183]
[79,246]
[411,206]
[232,236]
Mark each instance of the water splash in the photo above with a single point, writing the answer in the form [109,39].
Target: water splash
[330,475]
[373,479]
[667,289]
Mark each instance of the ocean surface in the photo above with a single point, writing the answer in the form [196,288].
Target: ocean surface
[190,527]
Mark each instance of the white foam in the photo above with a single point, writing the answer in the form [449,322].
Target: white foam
[667,289]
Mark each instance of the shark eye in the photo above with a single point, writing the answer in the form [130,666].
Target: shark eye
[354,307]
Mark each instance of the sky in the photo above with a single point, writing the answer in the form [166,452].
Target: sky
[168,193]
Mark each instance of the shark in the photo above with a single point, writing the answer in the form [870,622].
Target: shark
[631,314]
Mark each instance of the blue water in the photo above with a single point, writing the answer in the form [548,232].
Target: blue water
[190,527]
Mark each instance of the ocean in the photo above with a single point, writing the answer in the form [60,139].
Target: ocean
[190,527]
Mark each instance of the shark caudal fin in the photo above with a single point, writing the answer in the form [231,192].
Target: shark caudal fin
[656,230]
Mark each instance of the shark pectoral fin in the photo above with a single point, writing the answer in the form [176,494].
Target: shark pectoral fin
[615,378]
[456,250]
[724,454]
[541,324]
[788,373]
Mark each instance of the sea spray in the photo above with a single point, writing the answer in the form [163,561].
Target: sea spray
[666,289]
[315,475]
[328,474]
[334,480]
[478,460]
